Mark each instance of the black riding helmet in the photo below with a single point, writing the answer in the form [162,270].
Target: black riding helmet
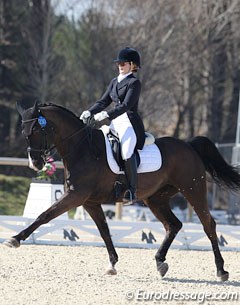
[129,55]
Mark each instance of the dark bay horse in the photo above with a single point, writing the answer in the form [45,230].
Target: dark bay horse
[90,182]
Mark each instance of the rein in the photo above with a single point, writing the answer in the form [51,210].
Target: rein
[88,127]
[69,137]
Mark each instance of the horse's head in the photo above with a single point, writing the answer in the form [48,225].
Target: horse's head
[34,126]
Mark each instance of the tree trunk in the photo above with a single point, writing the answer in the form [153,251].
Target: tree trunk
[215,117]
[230,132]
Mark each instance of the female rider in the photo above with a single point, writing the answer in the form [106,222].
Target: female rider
[124,91]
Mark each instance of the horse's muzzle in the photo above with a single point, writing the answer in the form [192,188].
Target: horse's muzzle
[34,164]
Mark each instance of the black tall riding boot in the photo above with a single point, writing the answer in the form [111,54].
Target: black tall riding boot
[131,175]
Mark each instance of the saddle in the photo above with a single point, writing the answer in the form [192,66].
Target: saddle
[116,146]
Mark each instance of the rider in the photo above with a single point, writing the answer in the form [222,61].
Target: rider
[124,91]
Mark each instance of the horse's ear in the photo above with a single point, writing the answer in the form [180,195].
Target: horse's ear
[20,108]
[35,108]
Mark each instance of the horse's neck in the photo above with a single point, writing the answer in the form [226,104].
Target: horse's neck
[67,128]
[61,117]
[71,137]
[96,143]
[67,139]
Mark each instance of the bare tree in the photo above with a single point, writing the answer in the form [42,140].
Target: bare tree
[185,48]
[43,64]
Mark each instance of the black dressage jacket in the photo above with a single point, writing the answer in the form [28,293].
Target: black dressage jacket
[125,96]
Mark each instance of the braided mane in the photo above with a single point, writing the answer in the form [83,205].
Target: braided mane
[58,106]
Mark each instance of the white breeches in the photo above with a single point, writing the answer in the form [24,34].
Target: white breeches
[127,136]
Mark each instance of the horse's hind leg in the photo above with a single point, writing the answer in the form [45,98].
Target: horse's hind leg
[159,205]
[198,199]
[97,214]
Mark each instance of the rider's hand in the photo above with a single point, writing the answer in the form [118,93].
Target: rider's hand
[101,116]
[85,115]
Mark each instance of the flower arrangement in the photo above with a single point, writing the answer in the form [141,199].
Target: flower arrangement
[48,170]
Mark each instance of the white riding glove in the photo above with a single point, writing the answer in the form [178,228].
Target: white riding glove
[101,116]
[85,115]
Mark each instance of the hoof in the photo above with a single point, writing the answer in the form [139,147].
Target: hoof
[111,271]
[12,243]
[162,268]
[224,277]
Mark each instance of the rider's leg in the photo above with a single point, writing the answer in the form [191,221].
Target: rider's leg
[131,175]
[128,143]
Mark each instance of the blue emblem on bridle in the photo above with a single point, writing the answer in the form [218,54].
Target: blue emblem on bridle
[42,121]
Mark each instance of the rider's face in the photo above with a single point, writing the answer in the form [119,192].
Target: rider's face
[124,67]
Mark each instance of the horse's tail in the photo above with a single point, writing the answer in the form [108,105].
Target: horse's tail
[215,165]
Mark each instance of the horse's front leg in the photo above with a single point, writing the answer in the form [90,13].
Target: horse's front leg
[66,202]
[97,214]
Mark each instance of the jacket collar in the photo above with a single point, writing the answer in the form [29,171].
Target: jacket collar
[125,81]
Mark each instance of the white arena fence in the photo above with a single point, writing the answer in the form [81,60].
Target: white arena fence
[132,234]
[22,162]
[142,213]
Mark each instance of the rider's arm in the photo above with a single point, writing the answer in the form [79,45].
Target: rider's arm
[130,100]
[104,101]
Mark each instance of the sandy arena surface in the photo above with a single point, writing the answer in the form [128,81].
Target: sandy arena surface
[49,275]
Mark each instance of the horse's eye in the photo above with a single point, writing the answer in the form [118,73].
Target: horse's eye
[35,129]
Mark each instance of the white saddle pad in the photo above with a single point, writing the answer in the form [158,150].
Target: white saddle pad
[151,159]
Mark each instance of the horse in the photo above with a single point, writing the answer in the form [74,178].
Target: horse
[90,182]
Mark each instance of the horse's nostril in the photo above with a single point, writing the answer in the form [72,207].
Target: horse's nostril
[39,164]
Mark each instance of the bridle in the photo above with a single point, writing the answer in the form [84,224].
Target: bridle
[46,148]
